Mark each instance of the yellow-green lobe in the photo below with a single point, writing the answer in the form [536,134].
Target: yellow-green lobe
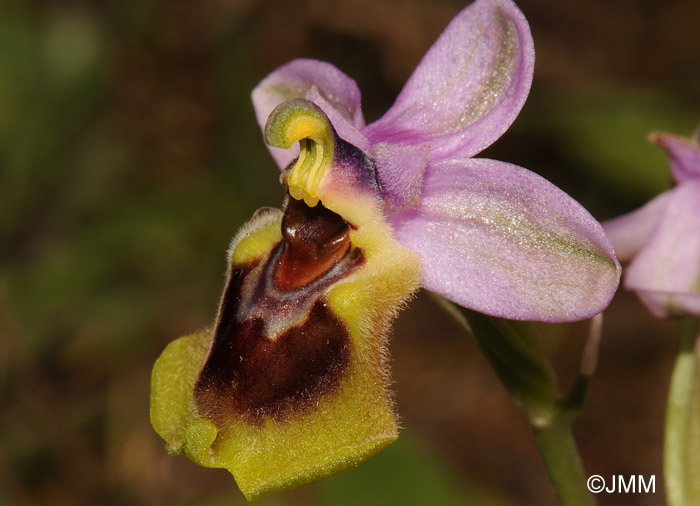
[345,424]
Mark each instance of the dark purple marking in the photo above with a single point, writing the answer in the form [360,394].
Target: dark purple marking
[260,378]
[252,374]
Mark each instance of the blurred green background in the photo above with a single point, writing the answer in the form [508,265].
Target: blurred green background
[129,156]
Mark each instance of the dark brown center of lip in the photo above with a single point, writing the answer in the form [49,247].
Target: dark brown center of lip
[314,240]
[247,374]
[277,346]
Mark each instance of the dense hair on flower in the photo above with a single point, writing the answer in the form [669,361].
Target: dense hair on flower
[249,374]
[277,346]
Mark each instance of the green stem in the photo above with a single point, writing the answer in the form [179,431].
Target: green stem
[677,413]
[555,439]
[557,447]
[517,357]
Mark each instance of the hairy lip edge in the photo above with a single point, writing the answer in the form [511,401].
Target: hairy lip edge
[248,374]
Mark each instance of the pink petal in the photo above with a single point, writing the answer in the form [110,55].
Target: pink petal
[670,261]
[683,154]
[342,126]
[295,80]
[631,231]
[468,88]
[501,240]
[670,304]
[400,172]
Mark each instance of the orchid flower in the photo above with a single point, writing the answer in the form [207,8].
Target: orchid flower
[291,383]
[662,239]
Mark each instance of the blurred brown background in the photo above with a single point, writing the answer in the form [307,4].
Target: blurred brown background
[129,156]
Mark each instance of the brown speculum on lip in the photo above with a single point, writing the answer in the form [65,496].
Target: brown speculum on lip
[314,239]
[277,346]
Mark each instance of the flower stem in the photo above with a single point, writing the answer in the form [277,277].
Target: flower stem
[557,447]
[516,355]
[677,415]
[555,440]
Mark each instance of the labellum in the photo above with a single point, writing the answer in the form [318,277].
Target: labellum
[277,347]
[290,385]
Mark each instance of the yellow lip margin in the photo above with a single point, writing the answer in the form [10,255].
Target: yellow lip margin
[344,428]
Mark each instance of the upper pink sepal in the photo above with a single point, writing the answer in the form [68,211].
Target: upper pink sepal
[468,88]
[683,155]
